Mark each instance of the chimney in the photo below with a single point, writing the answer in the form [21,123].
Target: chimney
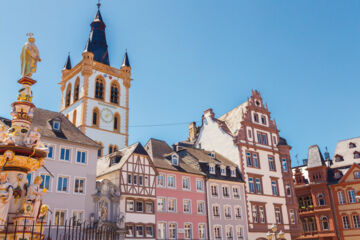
[192,131]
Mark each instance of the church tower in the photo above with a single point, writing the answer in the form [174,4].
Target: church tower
[94,95]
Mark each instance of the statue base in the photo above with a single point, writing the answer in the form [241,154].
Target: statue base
[27,81]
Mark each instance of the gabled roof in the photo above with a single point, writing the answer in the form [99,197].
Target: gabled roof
[234,117]
[105,166]
[349,172]
[315,158]
[43,120]
[343,149]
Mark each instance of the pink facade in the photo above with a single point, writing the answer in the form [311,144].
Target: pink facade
[181,205]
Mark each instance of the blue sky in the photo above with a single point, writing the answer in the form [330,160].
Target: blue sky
[188,56]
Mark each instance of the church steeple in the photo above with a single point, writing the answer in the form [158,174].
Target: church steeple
[68,63]
[97,39]
[126,62]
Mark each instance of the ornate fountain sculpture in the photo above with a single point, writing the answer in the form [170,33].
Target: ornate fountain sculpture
[21,152]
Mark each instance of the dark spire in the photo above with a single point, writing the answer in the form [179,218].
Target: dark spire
[126,61]
[97,39]
[68,63]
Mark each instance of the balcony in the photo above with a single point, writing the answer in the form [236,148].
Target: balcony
[306,209]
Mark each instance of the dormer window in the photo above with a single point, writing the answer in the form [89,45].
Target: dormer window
[175,160]
[223,170]
[232,172]
[212,155]
[356,154]
[338,158]
[352,145]
[56,125]
[212,169]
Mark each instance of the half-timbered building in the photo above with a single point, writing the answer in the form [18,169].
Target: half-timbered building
[133,171]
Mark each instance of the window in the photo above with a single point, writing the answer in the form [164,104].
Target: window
[68,96]
[199,185]
[258,186]
[271,164]
[229,232]
[258,213]
[79,185]
[351,195]
[76,89]
[227,212]
[212,169]
[223,171]
[172,205]
[216,211]
[251,185]
[161,204]
[186,183]
[139,231]
[175,160]
[324,223]
[356,221]
[274,140]
[187,231]
[161,233]
[78,218]
[50,152]
[129,230]
[338,158]
[60,216]
[116,122]
[263,120]
[161,180]
[141,181]
[262,214]
[135,179]
[202,231]
[130,205]
[149,231]
[139,206]
[237,212]
[356,154]
[65,154]
[95,117]
[341,197]
[201,207]
[100,150]
[187,206]
[171,181]
[262,138]
[292,216]
[352,145]
[217,232]
[214,190]
[345,221]
[284,164]
[81,157]
[249,133]
[252,160]
[357,174]
[63,184]
[274,188]
[114,94]
[236,192]
[256,117]
[226,191]
[321,199]
[172,231]
[56,125]
[99,88]
[45,181]
[233,172]
[288,190]
[149,207]
[278,215]
[129,176]
[239,232]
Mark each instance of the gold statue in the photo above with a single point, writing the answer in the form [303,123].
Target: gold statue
[29,57]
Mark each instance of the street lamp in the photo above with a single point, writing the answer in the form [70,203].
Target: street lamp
[274,235]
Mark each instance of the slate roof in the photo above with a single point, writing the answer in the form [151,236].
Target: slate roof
[126,61]
[43,120]
[315,158]
[68,63]
[116,160]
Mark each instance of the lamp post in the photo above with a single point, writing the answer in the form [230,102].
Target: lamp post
[274,235]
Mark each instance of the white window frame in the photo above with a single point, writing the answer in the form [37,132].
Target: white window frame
[190,206]
[230,212]
[217,226]
[164,180]
[50,183]
[223,170]
[205,232]
[167,181]
[69,183]
[79,211]
[175,205]
[70,152]
[86,156]
[217,190]
[176,230]
[182,185]
[202,185]
[84,188]
[235,212]
[165,229]
[238,191]
[157,204]
[198,202]
[191,230]
[65,215]
[53,151]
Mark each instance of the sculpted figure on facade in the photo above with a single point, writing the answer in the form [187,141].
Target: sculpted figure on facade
[34,196]
[29,57]
[6,193]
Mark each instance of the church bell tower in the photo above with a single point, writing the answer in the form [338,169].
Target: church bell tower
[94,95]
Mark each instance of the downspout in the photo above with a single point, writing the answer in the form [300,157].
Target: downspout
[332,200]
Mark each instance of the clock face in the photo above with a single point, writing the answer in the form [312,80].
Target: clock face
[106,115]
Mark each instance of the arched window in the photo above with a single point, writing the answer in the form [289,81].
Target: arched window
[321,199]
[100,151]
[116,122]
[74,117]
[324,223]
[76,89]
[112,148]
[68,96]
[114,94]
[99,88]
[95,117]
[115,148]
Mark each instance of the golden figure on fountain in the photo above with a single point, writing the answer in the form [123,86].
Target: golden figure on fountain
[29,57]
